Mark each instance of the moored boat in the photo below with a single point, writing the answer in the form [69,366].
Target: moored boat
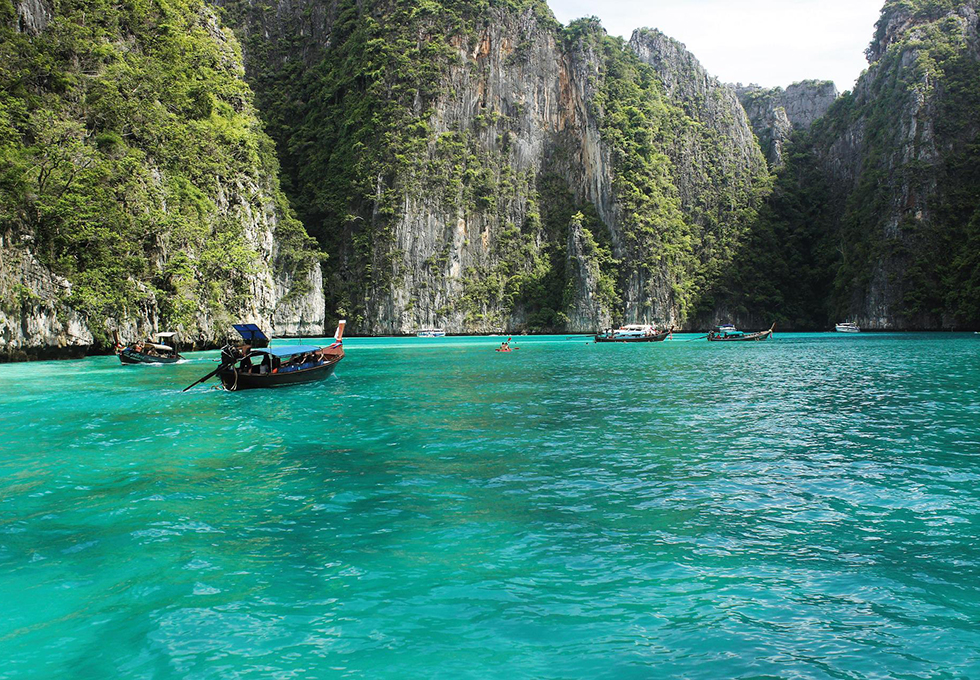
[248,367]
[431,333]
[847,327]
[155,350]
[637,332]
[728,333]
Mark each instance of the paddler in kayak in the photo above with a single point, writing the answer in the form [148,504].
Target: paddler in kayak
[504,346]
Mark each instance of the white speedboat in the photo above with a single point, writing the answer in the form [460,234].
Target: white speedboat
[847,327]
[634,332]
[431,333]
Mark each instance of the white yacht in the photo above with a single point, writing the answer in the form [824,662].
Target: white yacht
[431,333]
[634,332]
[847,327]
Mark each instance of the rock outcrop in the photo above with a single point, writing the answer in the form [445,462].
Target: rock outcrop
[33,16]
[465,224]
[899,153]
[874,217]
[139,191]
[776,113]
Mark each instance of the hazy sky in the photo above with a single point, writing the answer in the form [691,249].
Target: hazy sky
[770,42]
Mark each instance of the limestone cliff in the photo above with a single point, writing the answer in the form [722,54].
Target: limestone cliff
[139,192]
[776,112]
[875,215]
[901,157]
[479,130]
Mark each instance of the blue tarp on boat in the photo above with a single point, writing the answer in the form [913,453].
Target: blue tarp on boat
[286,350]
[250,332]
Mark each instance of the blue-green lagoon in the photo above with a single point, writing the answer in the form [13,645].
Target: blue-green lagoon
[806,507]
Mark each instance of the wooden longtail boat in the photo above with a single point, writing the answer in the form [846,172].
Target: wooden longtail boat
[729,334]
[150,351]
[634,333]
[248,367]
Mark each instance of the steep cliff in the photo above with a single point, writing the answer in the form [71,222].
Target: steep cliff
[438,151]
[776,113]
[720,174]
[879,199]
[903,157]
[137,190]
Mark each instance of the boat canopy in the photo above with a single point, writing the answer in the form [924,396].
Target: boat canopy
[287,350]
[250,332]
[168,334]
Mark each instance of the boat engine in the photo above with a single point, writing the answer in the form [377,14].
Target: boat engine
[231,354]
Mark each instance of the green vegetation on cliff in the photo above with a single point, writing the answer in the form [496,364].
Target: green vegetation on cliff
[132,162]
[364,144]
[897,236]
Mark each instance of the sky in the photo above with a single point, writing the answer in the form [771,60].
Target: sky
[768,42]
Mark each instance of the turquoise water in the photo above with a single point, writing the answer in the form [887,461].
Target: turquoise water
[807,507]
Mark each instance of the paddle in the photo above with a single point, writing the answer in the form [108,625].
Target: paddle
[224,364]
[209,375]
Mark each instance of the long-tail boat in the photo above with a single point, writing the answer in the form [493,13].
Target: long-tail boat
[155,350]
[636,332]
[728,333]
[249,366]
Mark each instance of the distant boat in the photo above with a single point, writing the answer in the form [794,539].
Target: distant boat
[153,350]
[430,333]
[847,327]
[248,367]
[635,332]
[728,333]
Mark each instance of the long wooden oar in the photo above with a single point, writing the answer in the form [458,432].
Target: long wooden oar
[209,375]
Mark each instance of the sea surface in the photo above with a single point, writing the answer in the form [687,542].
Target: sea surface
[806,507]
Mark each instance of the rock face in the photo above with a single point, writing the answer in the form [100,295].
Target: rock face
[37,319]
[775,113]
[874,215]
[589,308]
[899,153]
[714,141]
[136,204]
[33,16]
[519,123]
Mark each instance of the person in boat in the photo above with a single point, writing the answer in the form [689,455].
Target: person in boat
[505,345]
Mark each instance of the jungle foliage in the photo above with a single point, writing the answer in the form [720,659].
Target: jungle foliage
[905,224]
[130,157]
[353,123]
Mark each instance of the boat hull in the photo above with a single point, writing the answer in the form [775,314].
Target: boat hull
[131,356]
[748,337]
[235,380]
[657,337]
[845,329]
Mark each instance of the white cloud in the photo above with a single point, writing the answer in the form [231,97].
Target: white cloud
[770,42]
